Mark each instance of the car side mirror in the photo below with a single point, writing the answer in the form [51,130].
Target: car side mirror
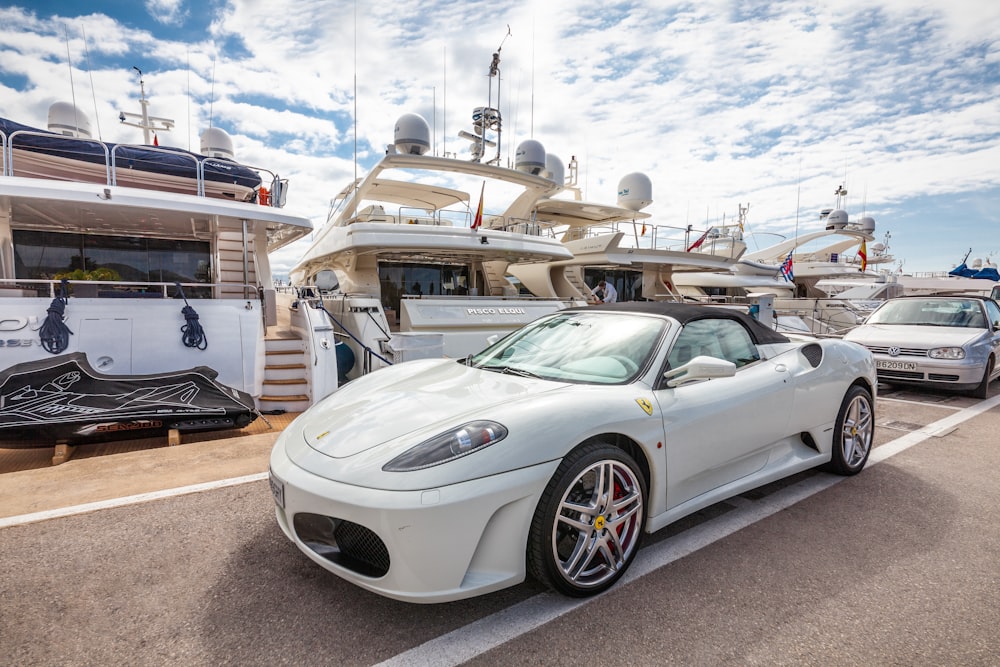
[700,368]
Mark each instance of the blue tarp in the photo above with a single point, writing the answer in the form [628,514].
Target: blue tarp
[160,160]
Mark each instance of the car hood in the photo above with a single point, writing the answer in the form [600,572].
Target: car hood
[912,335]
[407,399]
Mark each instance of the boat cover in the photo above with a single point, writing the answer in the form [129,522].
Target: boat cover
[161,160]
[63,399]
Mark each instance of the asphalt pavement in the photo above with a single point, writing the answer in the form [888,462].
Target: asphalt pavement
[899,565]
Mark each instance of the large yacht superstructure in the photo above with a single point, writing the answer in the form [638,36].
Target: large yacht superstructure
[146,259]
[414,257]
[617,243]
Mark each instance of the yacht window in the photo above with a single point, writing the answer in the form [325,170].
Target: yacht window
[46,255]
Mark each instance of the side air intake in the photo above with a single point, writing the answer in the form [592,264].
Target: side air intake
[813,354]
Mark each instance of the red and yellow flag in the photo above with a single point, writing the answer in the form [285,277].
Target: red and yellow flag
[863,254]
[478,221]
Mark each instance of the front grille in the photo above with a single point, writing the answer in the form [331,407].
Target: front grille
[345,543]
[940,377]
[900,375]
[903,351]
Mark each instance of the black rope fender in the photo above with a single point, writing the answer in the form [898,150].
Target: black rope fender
[54,334]
[192,335]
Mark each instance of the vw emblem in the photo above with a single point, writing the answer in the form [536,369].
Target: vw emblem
[893,351]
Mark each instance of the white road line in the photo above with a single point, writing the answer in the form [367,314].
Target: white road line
[487,633]
[128,500]
[922,404]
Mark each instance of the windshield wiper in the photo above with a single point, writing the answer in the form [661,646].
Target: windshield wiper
[511,370]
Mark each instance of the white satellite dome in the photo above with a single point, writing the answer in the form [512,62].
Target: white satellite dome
[635,191]
[530,157]
[837,219]
[977,263]
[67,120]
[878,248]
[867,224]
[554,169]
[216,142]
[412,135]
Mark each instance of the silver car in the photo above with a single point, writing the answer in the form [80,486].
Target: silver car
[936,341]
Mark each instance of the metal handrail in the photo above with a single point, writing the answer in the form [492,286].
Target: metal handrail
[54,285]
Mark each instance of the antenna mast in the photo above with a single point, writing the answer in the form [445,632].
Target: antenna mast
[144,121]
[486,119]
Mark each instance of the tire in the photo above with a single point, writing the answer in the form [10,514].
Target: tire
[589,521]
[983,390]
[854,432]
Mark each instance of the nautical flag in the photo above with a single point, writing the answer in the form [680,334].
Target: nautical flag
[156,142]
[479,212]
[643,229]
[786,268]
[863,254]
[701,239]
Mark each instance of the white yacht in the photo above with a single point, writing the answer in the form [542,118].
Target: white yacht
[135,261]
[842,252]
[413,259]
[617,243]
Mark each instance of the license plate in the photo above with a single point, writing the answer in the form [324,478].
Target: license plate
[277,489]
[896,365]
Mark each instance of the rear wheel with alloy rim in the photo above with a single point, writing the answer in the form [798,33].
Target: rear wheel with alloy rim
[854,432]
[589,522]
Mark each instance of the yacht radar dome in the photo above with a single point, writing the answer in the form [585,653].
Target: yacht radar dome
[530,157]
[67,120]
[215,142]
[635,191]
[412,135]
[867,224]
[837,219]
[554,169]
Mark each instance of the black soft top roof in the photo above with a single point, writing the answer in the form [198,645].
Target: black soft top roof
[687,312]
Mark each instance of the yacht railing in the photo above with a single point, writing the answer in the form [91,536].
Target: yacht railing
[274,197]
[122,289]
[670,238]
[406,215]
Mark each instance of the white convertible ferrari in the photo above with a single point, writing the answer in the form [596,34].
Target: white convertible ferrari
[554,450]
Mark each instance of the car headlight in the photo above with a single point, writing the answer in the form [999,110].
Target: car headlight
[946,353]
[448,446]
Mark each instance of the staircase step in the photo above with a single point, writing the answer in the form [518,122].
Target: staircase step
[285,399]
[283,367]
[290,381]
[271,352]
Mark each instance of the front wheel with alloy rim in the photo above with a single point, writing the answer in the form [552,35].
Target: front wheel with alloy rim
[589,521]
[854,432]
[983,390]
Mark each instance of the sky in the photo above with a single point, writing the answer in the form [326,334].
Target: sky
[720,104]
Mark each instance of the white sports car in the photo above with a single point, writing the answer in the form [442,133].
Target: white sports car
[555,449]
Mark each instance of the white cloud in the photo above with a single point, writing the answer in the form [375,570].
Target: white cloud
[168,12]
[777,106]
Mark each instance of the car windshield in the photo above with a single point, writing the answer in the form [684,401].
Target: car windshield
[580,346]
[931,312]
